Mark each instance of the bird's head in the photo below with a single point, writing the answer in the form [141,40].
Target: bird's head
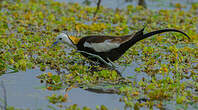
[66,39]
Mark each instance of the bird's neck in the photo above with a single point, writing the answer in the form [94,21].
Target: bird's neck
[74,40]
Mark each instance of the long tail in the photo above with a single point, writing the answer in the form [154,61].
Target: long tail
[140,35]
[137,38]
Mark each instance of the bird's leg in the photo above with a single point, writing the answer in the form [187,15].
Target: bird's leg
[110,64]
[113,65]
[101,59]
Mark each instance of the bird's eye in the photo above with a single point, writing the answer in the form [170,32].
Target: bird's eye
[60,38]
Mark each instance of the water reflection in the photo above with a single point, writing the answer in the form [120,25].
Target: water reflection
[24,90]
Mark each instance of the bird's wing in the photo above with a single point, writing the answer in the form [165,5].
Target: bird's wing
[105,43]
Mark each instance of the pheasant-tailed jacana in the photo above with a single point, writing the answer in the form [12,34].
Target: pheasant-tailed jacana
[104,48]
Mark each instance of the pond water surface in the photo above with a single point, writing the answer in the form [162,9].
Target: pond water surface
[24,90]
[24,86]
[151,4]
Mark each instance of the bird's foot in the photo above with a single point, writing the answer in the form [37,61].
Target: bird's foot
[113,65]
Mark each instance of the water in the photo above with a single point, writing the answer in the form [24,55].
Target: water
[151,4]
[24,90]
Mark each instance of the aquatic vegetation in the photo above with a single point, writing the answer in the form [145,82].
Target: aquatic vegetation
[27,30]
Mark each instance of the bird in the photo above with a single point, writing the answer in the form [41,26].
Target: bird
[107,49]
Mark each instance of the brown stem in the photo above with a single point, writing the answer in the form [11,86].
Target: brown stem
[142,3]
[98,7]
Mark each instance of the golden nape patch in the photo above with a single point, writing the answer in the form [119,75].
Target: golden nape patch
[75,40]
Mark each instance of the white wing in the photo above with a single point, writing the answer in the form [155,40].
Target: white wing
[105,46]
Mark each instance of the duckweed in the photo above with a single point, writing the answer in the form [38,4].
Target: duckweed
[27,30]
